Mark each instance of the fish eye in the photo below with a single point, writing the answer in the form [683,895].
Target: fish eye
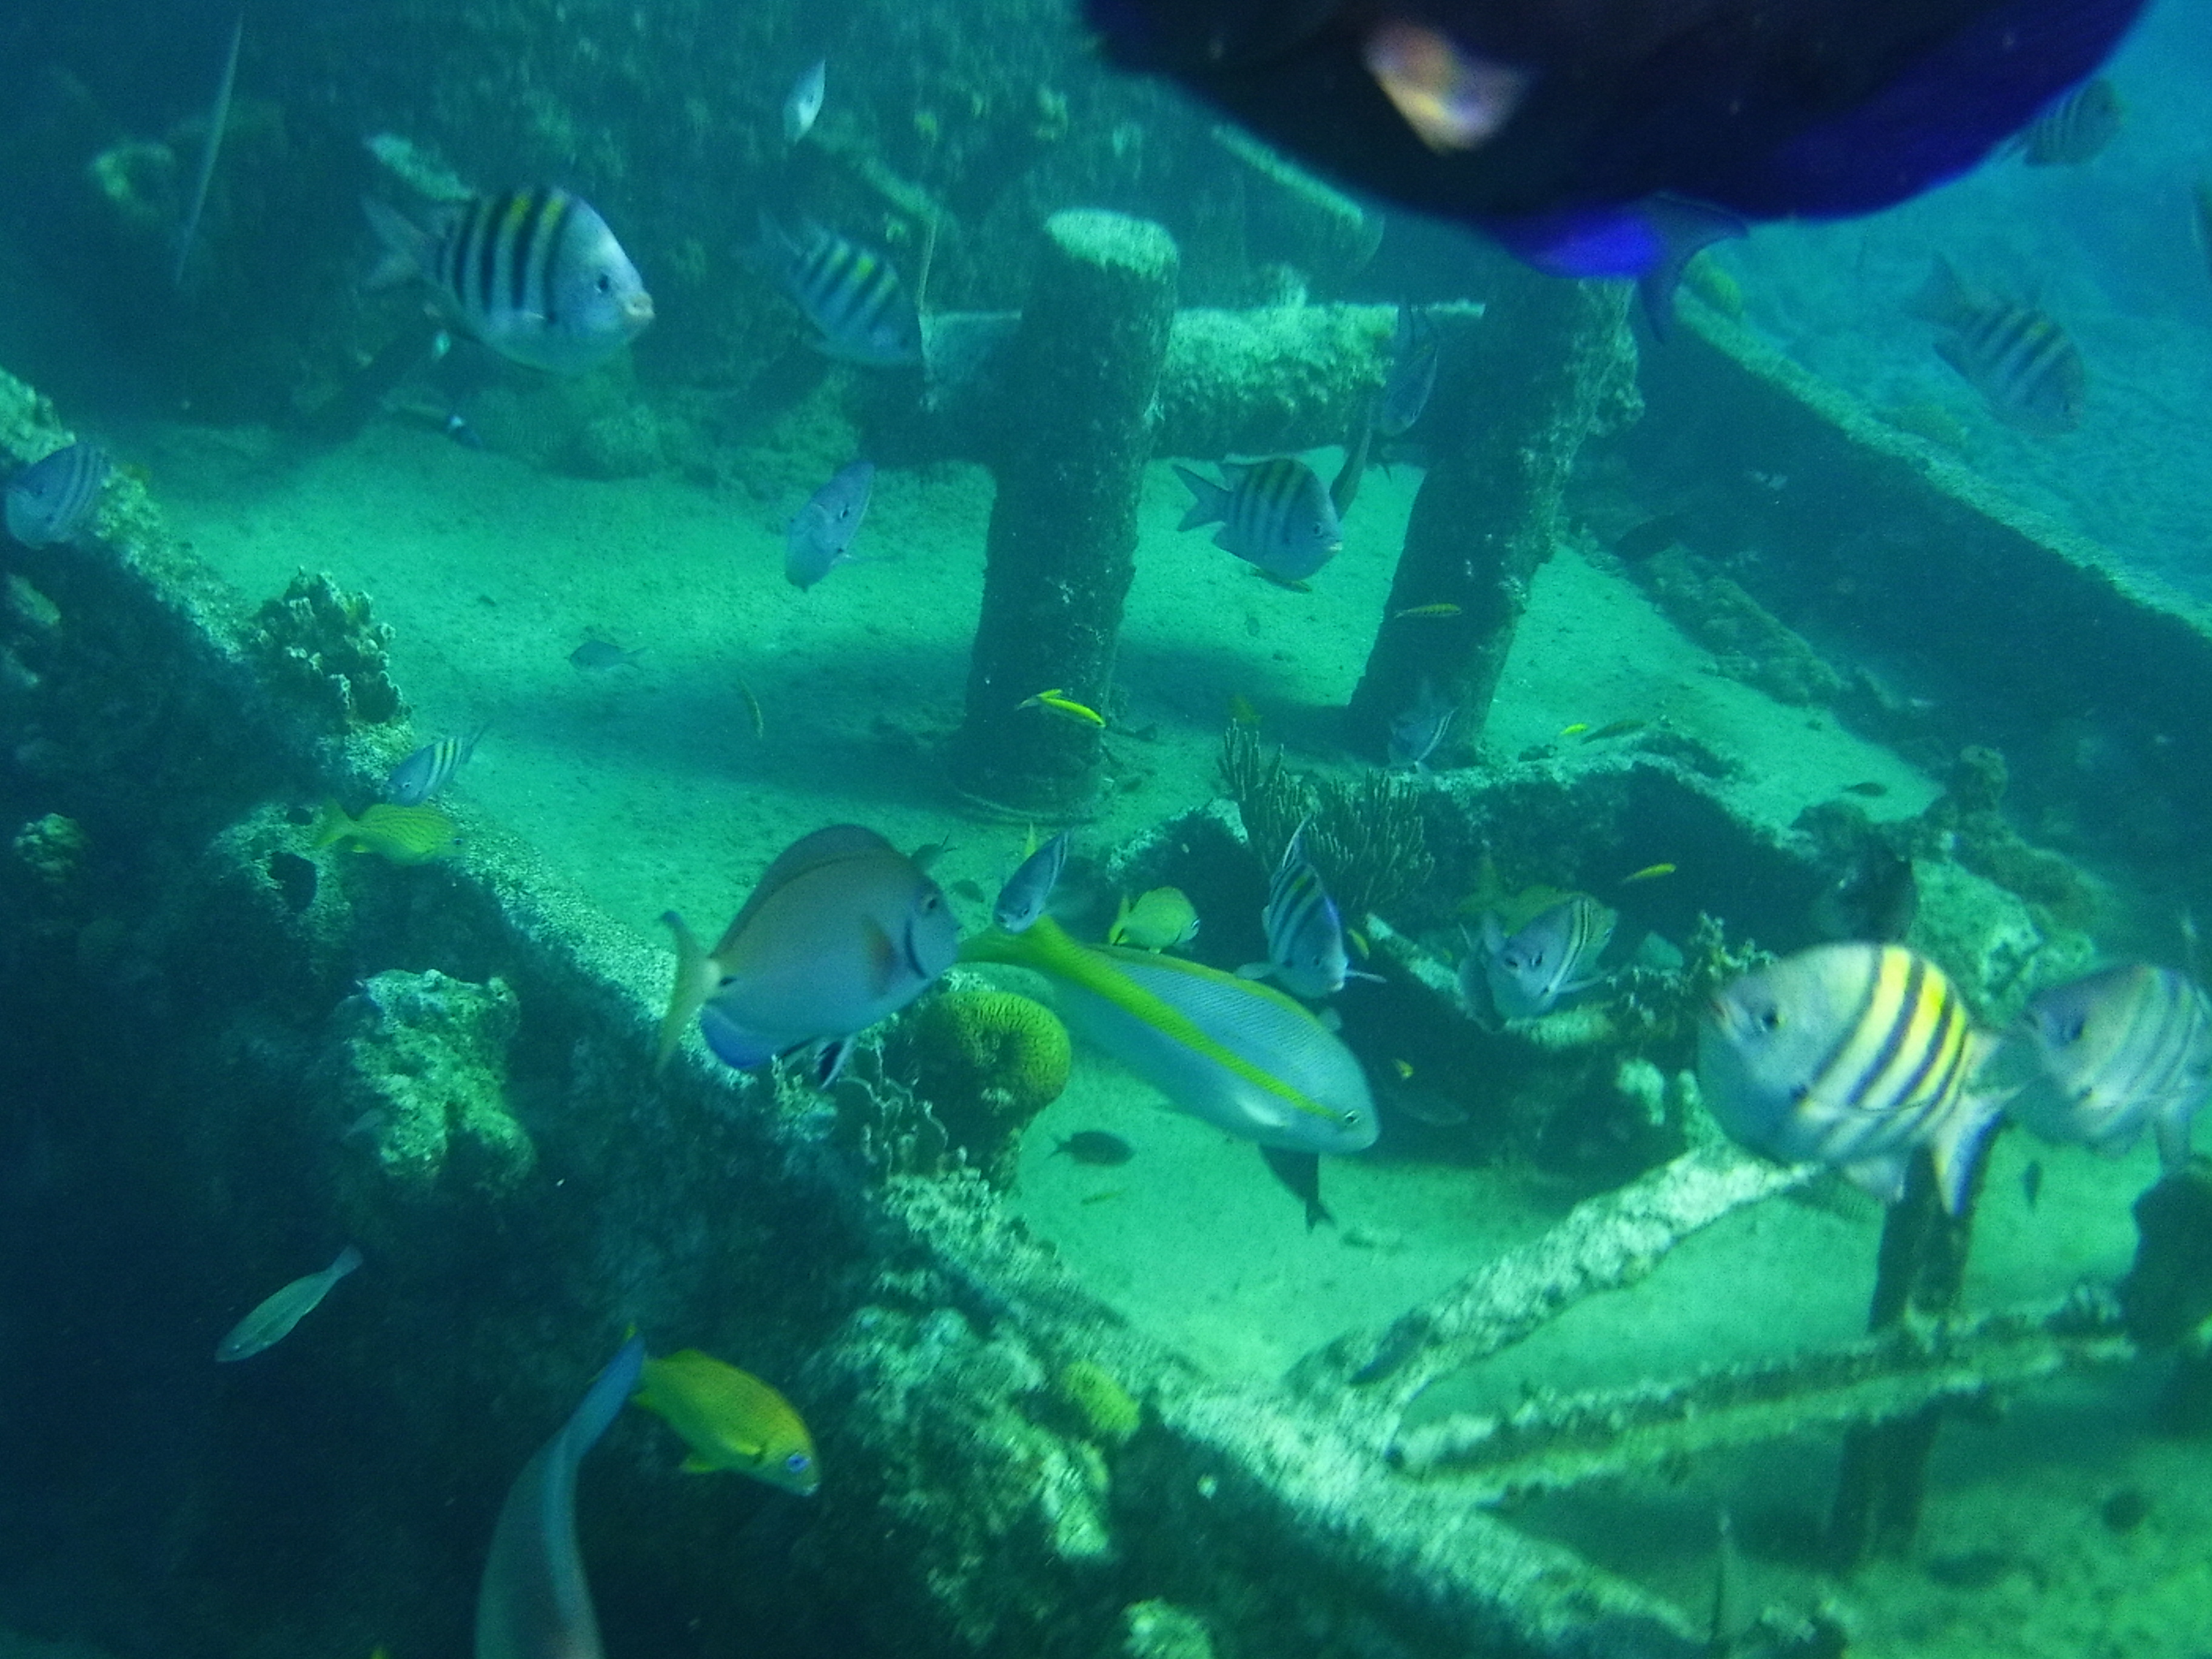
[605,284]
[797,1462]
[1798,1091]
[1770,1019]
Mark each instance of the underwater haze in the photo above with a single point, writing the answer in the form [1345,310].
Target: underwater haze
[1083,829]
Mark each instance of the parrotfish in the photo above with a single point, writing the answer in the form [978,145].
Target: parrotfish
[843,930]
[849,292]
[534,274]
[2105,1057]
[405,835]
[805,102]
[731,1421]
[50,499]
[1156,921]
[820,537]
[273,1321]
[1853,1055]
[534,1602]
[1555,956]
[1275,514]
[1238,1054]
[1029,890]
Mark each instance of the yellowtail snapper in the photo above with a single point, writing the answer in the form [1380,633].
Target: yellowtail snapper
[430,768]
[2074,128]
[820,537]
[50,499]
[2105,1057]
[1029,890]
[2022,363]
[849,292]
[1553,957]
[534,274]
[1853,1055]
[1305,935]
[1275,514]
[843,930]
[273,1321]
[805,102]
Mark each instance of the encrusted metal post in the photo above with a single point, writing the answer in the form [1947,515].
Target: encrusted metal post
[1069,462]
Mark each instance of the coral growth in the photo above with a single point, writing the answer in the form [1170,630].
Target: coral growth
[1365,835]
[52,849]
[320,645]
[987,1061]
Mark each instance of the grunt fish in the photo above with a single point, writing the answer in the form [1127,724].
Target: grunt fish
[271,1321]
[405,835]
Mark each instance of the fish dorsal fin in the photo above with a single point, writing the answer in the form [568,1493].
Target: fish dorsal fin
[831,845]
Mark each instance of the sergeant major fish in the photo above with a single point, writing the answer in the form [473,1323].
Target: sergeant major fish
[1417,730]
[849,292]
[534,274]
[430,768]
[1555,956]
[2106,1057]
[1029,890]
[1414,354]
[820,537]
[273,1321]
[1275,514]
[843,930]
[2073,129]
[2023,364]
[50,499]
[1306,934]
[805,102]
[1853,1055]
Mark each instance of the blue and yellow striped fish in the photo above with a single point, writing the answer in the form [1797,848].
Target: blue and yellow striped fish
[534,274]
[851,295]
[2107,1056]
[1275,515]
[1853,1055]
[2027,369]
[1555,956]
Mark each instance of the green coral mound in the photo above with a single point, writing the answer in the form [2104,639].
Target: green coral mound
[987,1061]
[1101,1408]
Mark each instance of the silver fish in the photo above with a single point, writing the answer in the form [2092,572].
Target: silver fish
[842,931]
[2109,1055]
[850,294]
[2023,364]
[534,1601]
[820,537]
[1275,514]
[1414,350]
[430,768]
[1555,956]
[50,499]
[1420,728]
[1029,890]
[534,274]
[273,1321]
[1853,1055]
[1305,935]
[805,103]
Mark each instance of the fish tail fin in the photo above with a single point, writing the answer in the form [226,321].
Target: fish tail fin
[1682,231]
[331,824]
[1943,299]
[1120,921]
[1958,1146]
[1209,501]
[349,1259]
[407,246]
[694,982]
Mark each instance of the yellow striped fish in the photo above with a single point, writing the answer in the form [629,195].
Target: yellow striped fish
[2106,1057]
[851,295]
[405,835]
[2027,369]
[1854,1055]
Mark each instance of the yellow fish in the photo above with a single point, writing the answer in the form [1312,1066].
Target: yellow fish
[1067,708]
[1649,872]
[1403,1068]
[1241,711]
[1578,727]
[405,834]
[731,1421]
[1155,920]
[1442,608]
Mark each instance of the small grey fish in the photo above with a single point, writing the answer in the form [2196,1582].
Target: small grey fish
[273,1322]
[1420,728]
[50,499]
[805,103]
[597,656]
[1095,1146]
[2074,127]
[534,274]
[430,768]
[850,294]
[1029,890]
[1551,958]
[2110,1055]
[820,537]
[1275,514]
[2027,369]
[1414,349]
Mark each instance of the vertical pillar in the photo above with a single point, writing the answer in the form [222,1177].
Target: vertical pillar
[1069,463]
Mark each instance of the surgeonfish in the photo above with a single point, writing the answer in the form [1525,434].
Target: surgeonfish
[843,930]
[2106,1057]
[1852,1055]
[849,292]
[1275,514]
[430,768]
[1029,890]
[731,1421]
[1555,956]
[1419,730]
[820,537]
[533,1602]
[805,101]
[271,1321]
[1237,1054]
[534,274]
[2074,128]
[2027,369]
[1613,138]
[405,835]
[50,499]
[1305,935]
[1413,349]
[1158,919]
